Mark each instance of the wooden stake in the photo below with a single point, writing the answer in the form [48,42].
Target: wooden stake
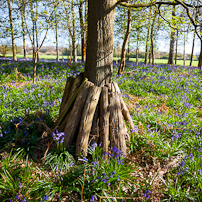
[95,130]
[66,94]
[74,116]
[73,93]
[126,113]
[104,120]
[86,120]
[117,136]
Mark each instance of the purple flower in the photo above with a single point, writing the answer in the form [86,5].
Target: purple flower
[45,197]
[94,163]
[104,179]
[182,164]
[113,172]
[146,194]
[93,198]
[93,147]
[24,199]
[17,197]
[58,136]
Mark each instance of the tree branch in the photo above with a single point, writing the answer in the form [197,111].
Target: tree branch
[123,3]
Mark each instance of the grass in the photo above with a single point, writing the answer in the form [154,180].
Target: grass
[164,152]
[157,61]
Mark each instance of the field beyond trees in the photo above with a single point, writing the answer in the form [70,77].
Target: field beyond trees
[164,151]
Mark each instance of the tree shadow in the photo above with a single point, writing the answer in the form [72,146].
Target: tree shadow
[32,133]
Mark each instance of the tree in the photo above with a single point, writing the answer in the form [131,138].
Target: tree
[83,29]
[12,31]
[172,40]
[34,38]
[81,118]
[126,38]
[21,6]
[70,18]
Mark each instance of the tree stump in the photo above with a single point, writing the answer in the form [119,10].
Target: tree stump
[89,114]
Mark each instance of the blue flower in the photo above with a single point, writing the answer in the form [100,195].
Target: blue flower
[104,179]
[93,198]
[58,136]
[45,197]
[93,147]
[146,194]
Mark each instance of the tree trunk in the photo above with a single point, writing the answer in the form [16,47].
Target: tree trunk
[12,31]
[147,40]
[82,27]
[99,58]
[137,52]
[192,51]
[200,58]
[96,103]
[128,54]
[22,12]
[123,52]
[36,32]
[152,40]
[74,50]
[150,56]
[184,54]
[56,38]
[172,41]
[176,45]
[35,67]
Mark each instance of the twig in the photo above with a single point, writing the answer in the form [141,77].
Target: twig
[83,183]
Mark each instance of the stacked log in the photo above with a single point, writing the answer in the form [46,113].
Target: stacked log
[89,114]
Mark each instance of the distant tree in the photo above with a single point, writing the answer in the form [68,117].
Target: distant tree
[47,17]
[12,30]
[172,40]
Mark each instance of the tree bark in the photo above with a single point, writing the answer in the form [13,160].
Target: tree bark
[172,41]
[98,68]
[192,51]
[123,52]
[12,31]
[128,54]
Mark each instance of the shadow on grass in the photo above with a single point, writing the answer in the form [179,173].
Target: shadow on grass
[32,133]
